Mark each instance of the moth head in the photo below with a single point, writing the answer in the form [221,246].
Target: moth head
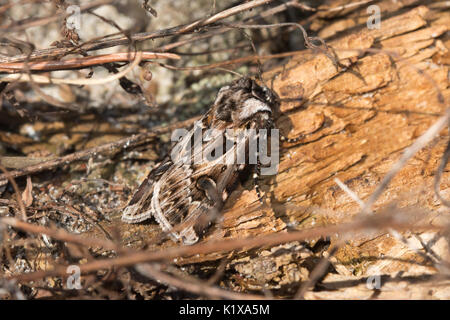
[244,99]
[265,94]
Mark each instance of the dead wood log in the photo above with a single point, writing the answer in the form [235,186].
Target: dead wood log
[357,117]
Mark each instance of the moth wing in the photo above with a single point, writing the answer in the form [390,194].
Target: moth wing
[139,207]
[224,165]
[172,196]
[199,217]
[204,210]
[182,204]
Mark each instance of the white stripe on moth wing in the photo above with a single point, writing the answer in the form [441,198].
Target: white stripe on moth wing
[156,207]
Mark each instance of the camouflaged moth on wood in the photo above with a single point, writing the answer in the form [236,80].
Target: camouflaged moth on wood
[183,193]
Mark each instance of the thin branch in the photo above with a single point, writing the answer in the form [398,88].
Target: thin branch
[19,199]
[83,62]
[438,177]
[349,192]
[45,20]
[198,287]
[318,272]
[378,222]
[22,77]
[123,40]
[60,234]
[409,152]
[108,148]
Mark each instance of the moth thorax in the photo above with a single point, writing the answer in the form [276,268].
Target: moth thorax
[251,107]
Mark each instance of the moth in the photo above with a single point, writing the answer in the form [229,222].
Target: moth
[181,191]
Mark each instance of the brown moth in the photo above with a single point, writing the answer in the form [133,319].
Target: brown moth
[182,190]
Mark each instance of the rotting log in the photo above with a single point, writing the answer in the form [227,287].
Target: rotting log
[357,118]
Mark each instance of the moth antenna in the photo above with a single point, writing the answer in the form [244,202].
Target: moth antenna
[258,61]
[231,71]
[309,41]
